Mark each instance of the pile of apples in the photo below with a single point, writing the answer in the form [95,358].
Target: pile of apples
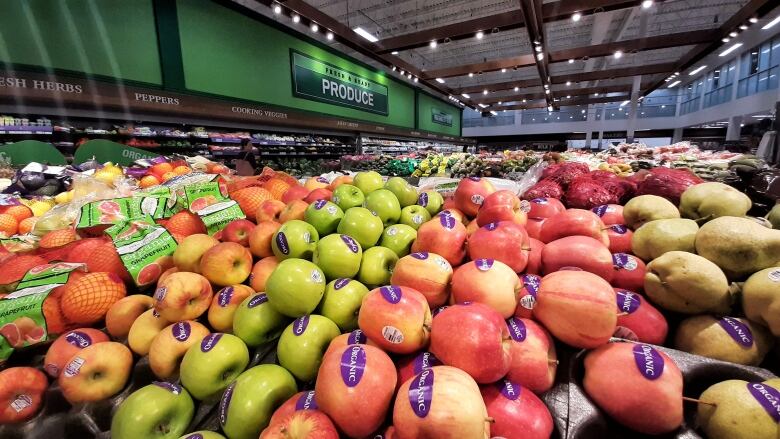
[405,315]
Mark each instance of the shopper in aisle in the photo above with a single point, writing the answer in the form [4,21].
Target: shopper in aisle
[246,163]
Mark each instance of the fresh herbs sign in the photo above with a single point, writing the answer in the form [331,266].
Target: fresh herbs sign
[440,117]
[323,82]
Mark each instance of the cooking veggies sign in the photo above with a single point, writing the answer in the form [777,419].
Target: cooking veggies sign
[320,81]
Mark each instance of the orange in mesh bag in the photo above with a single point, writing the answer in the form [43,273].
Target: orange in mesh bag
[57,238]
[87,299]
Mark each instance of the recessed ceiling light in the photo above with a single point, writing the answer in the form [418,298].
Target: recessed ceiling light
[743,27]
[395,52]
[365,34]
[415,79]
[596,94]
[296,18]
[538,48]
[672,85]
[314,27]
[524,101]
[726,39]
[753,19]
[484,92]
[568,83]
[547,91]
[731,49]
[540,56]
[277,9]
[697,70]
[771,23]
[466,95]
[503,70]
[576,17]
[499,102]
[618,54]
[647,3]
[433,44]
[440,81]
[479,35]
[733,34]
[568,96]
[471,75]
[393,68]
[517,88]
[329,35]
[571,61]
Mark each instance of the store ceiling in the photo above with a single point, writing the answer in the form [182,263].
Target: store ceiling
[669,36]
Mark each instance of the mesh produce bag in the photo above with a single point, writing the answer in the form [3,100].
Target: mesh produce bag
[667,183]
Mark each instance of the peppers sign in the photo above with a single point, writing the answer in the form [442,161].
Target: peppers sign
[440,117]
[319,81]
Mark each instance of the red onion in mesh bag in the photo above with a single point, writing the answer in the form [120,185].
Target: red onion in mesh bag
[544,189]
[585,193]
[568,172]
[667,183]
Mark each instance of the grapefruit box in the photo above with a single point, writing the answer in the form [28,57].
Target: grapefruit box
[144,248]
[107,212]
[22,318]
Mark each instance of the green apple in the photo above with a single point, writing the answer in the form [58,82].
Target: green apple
[347,195]
[405,192]
[399,239]
[303,344]
[210,366]
[295,239]
[295,287]
[256,321]
[385,205]
[431,200]
[342,301]
[377,266]
[202,434]
[368,181]
[361,224]
[338,256]
[159,411]
[414,216]
[324,216]
[248,403]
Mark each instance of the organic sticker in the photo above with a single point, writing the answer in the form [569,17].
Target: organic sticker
[627,301]
[353,364]
[517,329]
[224,404]
[257,299]
[768,397]
[510,390]
[648,361]
[421,393]
[306,401]
[391,293]
[357,337]
[737,330]
[209,342]
[423,361]
[300,324]
[484,264]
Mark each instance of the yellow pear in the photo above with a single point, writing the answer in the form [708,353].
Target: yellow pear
[644,208]
[761,298]
[657,237]
[687,283]
[732,410]
[728,339]
[712,200]
[739,246]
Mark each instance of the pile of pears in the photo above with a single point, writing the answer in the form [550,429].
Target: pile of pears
[719,270]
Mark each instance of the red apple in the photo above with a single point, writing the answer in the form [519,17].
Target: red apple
[451,211]
[21,393]
[574,222]
[428,273]
[471,193]
[306,424]
[619,238]
[473,338]
[517,413]
[534,265]
[184,295]
[96,372]
[526,300]
[581,252]
[441,402]
[487,281]
[610,213]
[534,227]
[261,271]
[502,205]
[411,365]
[67,345]
[504,241]
[260,238]
[226,264]
[629,272]
[300,401]
[545,207]
[313,183]
[533,355]
[472,227]
[355,386]
[355,337]
[238,231]
[318,194]
[638,320]
[295,193]
[269,210]
[443,235]
[396,318]
[294,210]
[338,181]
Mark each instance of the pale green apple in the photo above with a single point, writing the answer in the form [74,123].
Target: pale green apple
[202,434]
[210,366]
[377,266]
[256,321]
[414,216]
[295,239]
[431,200]
[385,205]
[157,411]
[342,301]
[295,287]
[338,256]
[247,404]
[361,224]
[368,181]
[303,344]
[324,216]
[399,239]
[346,196]
[405,192]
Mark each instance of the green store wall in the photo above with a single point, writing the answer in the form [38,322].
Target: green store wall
[426,104]
[113,38]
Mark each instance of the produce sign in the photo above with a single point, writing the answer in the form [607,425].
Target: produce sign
[108,151]
[117,210]
[323,82]
[440,117]
[26,151]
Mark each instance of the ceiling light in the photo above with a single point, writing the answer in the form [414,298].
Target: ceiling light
[484,92]
[499,102]
[503,70]
[571,61]
[524,101]
[568,96]
[697,70]
[538,48]
[743,27]
[314,27]
[365,34]
[549,108]
[771,23]
[395,52]
[465,95]
[726,39]
[440,81]
[673,85]
[753,19]
[393,68]
[596,94]
[546,85]
[547,91]
[479,35]
[517,88]
[277,9]
[471,75]
[433,44]
[415,79]
[618,54]
[494,113]
[624,103]
[733,34]
[403,73]
[482,105]
[568,83]
[583,111]
[296,18]
[646,4]
[732,48]
[539,56]
[537,43]
[576,17]
[329,35]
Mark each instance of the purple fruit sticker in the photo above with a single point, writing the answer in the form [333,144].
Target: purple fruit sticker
[159,294]
[421,393]
[600,210]
[484,264]
[351,243]
[648,361]
[224,403]
[624,261]
[281,243]
[619,228]
[306,401]
[627,301]
[300,324]
[171,387]
[474,178]
[391,293]
[448,221]
[531,282]
[539,200]
[341,283]
[357,337]
[490,227]
[420,255]
[422,200]
[353,364]
[768,397]
[517,329]
[181,331]
[224,296]
[737,330]
[78,339]
[257,300]
[209,342]
[509,390]
[438,310]
[319,204]
[423,361]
